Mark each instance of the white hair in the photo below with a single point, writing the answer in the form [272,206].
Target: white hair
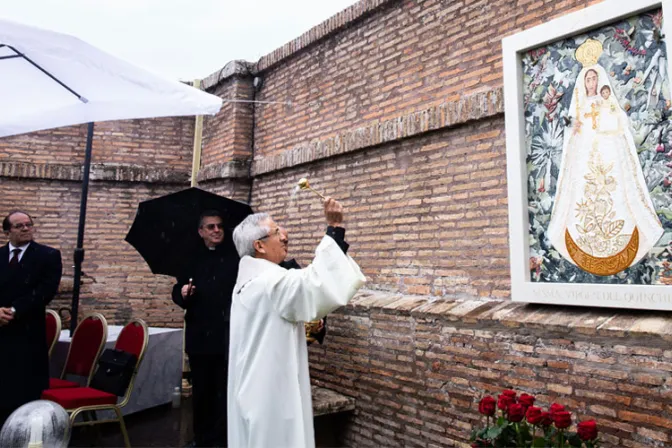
[249,231]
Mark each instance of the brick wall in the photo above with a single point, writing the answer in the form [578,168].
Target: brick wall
[418,368]
[228,135]
[117,281]
[397,111]
[163,142]
[426,215]
[133,161]
[405,56]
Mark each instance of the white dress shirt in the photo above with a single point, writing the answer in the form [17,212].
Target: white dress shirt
[23,250]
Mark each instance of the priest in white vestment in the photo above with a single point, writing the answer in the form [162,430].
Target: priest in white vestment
[269,397]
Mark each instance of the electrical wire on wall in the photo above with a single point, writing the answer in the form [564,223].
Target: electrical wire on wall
[257,84]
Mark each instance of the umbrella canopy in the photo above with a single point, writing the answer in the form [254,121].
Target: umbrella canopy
[48,80]
[165,229]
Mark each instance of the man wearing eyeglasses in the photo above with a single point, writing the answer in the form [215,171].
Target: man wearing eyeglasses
[204,291]
[29,277]
[270,403]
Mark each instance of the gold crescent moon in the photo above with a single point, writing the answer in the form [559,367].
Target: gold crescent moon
[603,265]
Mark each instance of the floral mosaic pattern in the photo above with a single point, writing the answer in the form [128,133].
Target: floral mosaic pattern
[635,57]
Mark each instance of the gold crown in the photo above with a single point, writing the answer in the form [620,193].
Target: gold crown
[589,52]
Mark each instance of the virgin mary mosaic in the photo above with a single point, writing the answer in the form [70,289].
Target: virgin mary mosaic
[600,156]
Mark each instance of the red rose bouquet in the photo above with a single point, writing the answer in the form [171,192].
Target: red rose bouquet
[522,425]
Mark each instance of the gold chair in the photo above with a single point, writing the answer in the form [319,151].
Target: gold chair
[86,345]
[53,322]
[132,339]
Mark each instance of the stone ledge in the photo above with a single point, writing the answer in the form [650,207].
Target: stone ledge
[99,172]
[231,69]
[327,401]
[234,169]
[484,314]
[131,173]
[472,107]
[40,170]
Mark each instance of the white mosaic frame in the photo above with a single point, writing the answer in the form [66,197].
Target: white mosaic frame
[657,297]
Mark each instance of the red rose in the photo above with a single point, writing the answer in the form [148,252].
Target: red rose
[533,415]
[503,402]
[545,419]
[562,419]
[587,430]
[481,444]
[526,400]
[555,407]
[510,393]
[516,412]
[487,406]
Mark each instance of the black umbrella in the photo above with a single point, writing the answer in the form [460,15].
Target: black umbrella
[165,229]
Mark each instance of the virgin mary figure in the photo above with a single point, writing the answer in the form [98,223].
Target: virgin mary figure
[603,219]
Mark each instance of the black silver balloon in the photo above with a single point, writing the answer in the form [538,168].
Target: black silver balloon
[36,424]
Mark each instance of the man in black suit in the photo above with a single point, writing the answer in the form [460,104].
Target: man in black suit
[29,277]
[205,291]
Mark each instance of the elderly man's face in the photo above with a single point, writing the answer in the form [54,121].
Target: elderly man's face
[20,230]
[273,247]
[211,230]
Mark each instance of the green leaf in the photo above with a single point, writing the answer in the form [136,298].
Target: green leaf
[524,431]
[574,440]
[538,442]
[501,421]
[493,433]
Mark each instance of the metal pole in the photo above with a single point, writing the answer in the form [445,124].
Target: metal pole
[195,167]
[79,249]
[198,139]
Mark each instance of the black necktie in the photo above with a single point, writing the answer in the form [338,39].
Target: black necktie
[14,261]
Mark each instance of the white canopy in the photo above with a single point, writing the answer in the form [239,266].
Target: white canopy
[88,85]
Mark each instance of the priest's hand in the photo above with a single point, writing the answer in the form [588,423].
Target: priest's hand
[333,211]
[188,290]
[6,316]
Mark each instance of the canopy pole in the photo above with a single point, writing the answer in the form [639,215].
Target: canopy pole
[195,167]
[79,249]
[198,139]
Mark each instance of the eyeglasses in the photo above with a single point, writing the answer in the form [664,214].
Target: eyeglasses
[274,232]
[213,226]
[23,226]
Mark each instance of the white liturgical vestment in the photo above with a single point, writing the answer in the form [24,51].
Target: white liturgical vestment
[269,398]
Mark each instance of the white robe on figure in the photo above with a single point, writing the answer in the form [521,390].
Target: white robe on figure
[269,397]
[601,194]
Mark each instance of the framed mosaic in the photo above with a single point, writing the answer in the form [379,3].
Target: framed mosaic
[589,157]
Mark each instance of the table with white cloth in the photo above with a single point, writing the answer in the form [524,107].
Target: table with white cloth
[160,372]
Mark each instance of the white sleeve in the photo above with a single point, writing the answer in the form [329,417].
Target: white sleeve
[301,295]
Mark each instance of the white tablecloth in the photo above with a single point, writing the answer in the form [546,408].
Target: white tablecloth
[160,372]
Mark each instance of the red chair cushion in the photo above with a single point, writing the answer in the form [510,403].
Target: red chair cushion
[131,339]
[57,383]
[84,346]
[78,397]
